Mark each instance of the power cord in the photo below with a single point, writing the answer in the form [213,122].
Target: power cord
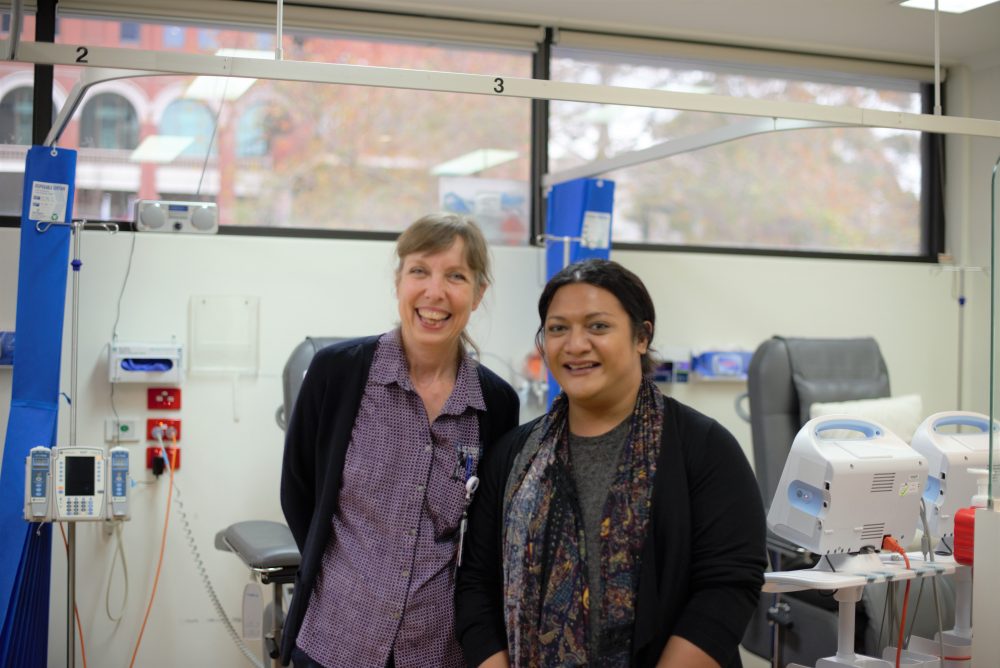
[211,139]
[207,582]
[158,433]
[925,546]
[119,552]
[890,543]
[114,327]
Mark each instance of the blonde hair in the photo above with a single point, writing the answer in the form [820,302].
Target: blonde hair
[436,232]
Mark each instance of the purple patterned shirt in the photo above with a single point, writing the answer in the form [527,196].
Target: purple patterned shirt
[387,578]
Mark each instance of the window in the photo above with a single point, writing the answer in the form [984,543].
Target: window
[253,129]
[103,204]
[298,155]
[109,121]
[129,33]
[16,116]
[173,37]
[208,39]
[829,190]
[302,155]
[264,41]
[190,118]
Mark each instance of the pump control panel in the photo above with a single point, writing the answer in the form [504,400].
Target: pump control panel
[76,483]
[37,478]
[79,483]
[118,499]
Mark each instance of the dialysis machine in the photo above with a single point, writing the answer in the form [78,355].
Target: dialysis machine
[76,484]
[953,442]
[849,488]
[956,445]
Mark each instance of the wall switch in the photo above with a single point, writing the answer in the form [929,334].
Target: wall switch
[121,430]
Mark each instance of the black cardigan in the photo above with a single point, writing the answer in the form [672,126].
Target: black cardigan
[316,446]
[702,563]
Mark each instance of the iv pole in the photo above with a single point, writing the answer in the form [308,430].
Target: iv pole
[76,228]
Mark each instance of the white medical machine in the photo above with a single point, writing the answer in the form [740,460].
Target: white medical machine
[118,478]
[37,478]
[950,453]
[956,445]
[848,483]
[76,484]
[840,493]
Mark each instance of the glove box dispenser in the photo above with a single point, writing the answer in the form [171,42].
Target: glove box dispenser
[158,363]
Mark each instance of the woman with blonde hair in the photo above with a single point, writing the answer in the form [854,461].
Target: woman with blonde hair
[384,438]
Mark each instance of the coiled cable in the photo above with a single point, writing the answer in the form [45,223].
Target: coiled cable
[209,589]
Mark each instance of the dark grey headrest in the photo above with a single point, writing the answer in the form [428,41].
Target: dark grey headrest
[836,370]
[295,370]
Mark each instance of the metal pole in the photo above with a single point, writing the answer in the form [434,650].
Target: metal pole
[278,47]
[937,59]
[961,334]
[993,327]
[76,229]
[70,594]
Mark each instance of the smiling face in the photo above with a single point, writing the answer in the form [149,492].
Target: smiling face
[591,348]
[436,292]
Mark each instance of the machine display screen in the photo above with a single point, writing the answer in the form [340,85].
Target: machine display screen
[79,476]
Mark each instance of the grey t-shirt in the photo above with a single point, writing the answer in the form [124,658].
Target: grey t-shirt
[594,462]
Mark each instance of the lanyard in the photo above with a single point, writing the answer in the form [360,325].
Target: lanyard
[471,485]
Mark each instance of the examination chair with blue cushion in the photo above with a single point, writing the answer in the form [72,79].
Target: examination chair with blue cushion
[268,548]
[786,376]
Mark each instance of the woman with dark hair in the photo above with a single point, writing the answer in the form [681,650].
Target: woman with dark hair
[385,438]
[622,528]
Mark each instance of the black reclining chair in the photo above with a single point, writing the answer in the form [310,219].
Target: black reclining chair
[786,376]
[268,548]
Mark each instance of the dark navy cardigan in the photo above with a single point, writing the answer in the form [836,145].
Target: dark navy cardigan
[316,446]
[702,563]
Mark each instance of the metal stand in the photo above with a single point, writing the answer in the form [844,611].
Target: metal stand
[846,576]
[566,241]
[76,227]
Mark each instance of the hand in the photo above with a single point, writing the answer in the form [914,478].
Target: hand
[681,653]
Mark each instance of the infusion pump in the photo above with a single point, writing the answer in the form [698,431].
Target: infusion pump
[76,483]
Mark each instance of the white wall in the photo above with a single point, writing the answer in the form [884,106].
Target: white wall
[983,100]
[231,445]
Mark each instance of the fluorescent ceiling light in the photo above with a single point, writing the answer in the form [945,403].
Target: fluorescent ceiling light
[246,53]
[160,148]
[949,6]
[473,162]
[211,89]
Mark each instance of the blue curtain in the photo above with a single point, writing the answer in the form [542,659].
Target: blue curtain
[25,551]
[569,205]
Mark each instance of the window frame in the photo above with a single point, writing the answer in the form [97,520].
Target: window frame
[764,62]
[932,217]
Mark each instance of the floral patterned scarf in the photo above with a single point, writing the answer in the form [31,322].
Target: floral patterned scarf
[546,594]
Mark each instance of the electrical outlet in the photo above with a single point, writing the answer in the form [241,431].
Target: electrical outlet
[121,430]
[173,456]
[163,398]
[168,424]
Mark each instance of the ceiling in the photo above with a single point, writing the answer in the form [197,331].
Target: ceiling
[878,29]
